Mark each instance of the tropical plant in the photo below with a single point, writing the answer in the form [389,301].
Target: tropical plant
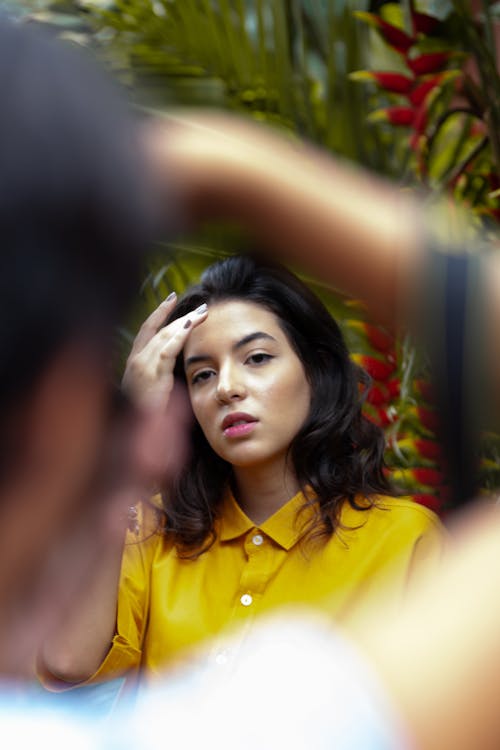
[427,115]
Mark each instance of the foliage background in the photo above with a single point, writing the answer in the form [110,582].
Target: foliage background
[312,69]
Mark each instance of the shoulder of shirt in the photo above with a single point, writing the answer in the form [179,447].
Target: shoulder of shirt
[393,510]
[145,521]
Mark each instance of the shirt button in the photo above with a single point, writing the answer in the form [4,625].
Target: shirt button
[246,600]
[257,539]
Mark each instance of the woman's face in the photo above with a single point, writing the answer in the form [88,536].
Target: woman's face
[248,388]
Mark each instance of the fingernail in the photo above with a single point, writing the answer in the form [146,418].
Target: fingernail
[171,296]
[187,324]
[201,309]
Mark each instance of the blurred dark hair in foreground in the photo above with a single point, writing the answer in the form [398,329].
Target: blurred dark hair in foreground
[73,216]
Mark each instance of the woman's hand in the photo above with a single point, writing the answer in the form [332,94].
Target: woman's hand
[149,377]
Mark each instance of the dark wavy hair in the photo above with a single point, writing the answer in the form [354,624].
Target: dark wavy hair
[337,454]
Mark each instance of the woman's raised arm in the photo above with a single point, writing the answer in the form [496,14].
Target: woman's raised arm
[76,651]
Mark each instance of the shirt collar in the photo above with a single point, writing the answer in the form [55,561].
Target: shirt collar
[285,527]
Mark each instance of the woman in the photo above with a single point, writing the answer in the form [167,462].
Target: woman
[284,499]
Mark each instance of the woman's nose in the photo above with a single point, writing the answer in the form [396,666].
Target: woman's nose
[229,386]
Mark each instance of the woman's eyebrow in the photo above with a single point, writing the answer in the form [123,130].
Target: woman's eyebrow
[242,342]
[252,337]
[195,360]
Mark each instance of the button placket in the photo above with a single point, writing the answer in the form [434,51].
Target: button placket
[254,576]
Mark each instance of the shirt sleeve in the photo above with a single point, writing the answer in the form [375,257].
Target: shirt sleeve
[400,544]
[125,653]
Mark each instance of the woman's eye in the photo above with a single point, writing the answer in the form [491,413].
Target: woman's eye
[258,358]
[201,376]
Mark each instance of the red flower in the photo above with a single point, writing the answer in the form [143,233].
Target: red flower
[433,502]
[386,416]
[395,37]
[422,476]
[415,449]
[428,448]
[428,63]
[394,387]
[422,88]
[394,115]
[419,126]
[428,418]
[378,338]
[423,23]
[378,395]
[376,368]
[397,83]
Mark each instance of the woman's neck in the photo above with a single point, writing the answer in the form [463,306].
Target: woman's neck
[261,491]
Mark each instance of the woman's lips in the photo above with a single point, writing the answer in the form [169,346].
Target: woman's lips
[238,424]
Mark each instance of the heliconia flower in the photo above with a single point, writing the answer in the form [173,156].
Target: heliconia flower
[377,337]
[428,476]
[419,126]
[421,475]
[394,386]
[417,448]
[381,340]
[429,448]
[396,83]
[377,415]
[423,23]
[395,37]
[422,421]
[419,93]
[394,115]
[433,502]
[385,417]
[428,418]
[378,395]
[378,369]
[370,412]
[425,86]
[431,62]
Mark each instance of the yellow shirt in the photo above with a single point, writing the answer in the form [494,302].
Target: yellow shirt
[168,604]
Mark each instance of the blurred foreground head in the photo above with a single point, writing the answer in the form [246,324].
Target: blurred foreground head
[73,224]
[72,218]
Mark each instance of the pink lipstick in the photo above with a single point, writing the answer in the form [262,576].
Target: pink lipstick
[238,424]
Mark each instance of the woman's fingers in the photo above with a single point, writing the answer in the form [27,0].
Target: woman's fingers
[171,339]
[148,375]
[153,322]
